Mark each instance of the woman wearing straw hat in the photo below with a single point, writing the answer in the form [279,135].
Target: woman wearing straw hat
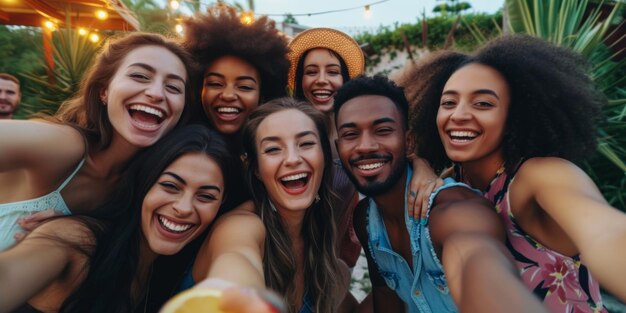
[322,60]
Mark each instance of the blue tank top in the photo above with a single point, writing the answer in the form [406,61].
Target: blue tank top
[11,212]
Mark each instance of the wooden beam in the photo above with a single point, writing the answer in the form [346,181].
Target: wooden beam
[4,16]
[45,10]
[36,20]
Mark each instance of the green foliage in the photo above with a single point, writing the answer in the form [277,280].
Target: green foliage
[155,17]
[438,29]
[452,7]
[289,18]
[73,55]
[565,23]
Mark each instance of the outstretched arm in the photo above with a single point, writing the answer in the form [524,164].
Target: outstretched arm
[468,237]
[43,257]
[38,145]
[233,251]
[571,198]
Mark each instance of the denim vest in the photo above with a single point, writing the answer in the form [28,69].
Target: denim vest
[423,287]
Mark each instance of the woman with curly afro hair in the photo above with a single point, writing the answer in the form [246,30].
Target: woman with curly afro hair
[513,119]
[243,65]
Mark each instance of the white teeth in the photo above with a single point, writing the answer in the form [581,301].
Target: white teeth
[463,133]
[228,110]
[370,166]
[173,226]
[146,109]
[294,177]
[322,94]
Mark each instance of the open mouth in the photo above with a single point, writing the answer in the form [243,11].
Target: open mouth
[173,227]
[370,165]
[322,95]
[228,113]
[146,116]
[462,136]
[295,183]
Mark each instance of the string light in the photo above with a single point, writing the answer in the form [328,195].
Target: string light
[102,15]
[174,4]
[367,8]
[179,28]
[50,25]
[247,17]
[368,12]
[82,31]
[94,37]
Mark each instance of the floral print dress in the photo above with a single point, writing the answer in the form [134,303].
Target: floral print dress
[562,282]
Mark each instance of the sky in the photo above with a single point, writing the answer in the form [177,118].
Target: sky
[353,21]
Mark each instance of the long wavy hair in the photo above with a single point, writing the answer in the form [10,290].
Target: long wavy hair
[318,231]
[554,109]
[113,263]
[85,111]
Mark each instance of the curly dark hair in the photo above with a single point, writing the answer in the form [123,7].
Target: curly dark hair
[377,85]
[220,32]
[554,107]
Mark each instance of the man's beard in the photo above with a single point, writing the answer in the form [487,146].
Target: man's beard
[374,188]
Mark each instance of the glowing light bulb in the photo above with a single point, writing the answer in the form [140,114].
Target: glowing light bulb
[179,28]
[102,14]
[82,31]
[247,18]
[94,37]
[368,12]
[174,4]
[50,25]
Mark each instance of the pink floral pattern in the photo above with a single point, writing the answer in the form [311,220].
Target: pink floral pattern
[563,282]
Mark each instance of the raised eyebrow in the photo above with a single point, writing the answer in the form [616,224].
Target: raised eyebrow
[298,135]
[219,75]
[153,70]
[486,92]
[213,74]
[211,187]
[246,78]
[475,92]
[175,176]
[347,125]
[306,133]
[450,92]
[384,120]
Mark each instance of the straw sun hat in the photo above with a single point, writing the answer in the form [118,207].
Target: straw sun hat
[328,38]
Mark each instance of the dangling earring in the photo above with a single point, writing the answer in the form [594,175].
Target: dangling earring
[317,198]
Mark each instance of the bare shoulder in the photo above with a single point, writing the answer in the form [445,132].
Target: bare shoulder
[38,142]
[548,169]
[238,224]
[548,174]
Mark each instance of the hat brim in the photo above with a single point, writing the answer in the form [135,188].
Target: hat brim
[328,38]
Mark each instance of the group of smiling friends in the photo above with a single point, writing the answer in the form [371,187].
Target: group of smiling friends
[185,164]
